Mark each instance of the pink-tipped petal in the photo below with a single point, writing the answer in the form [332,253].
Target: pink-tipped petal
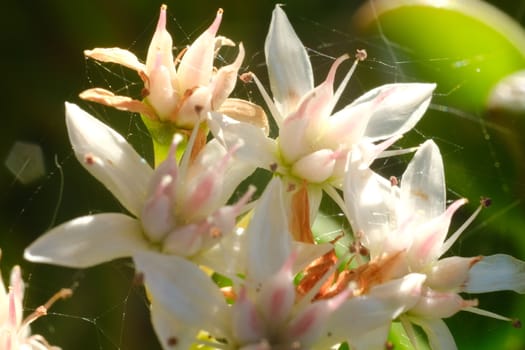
[277,294]
[437,305]
[248,327]
[451,274]
[196,65]
[160,51]
[316,167]
[161,94]
[225,80]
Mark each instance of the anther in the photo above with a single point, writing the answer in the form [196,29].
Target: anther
[516,323]
[215,232]
[394,181]
[246,77]
[485,202]
[273,167]
[389,345]
[361,55]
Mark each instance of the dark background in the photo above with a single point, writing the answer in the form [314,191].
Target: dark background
[43,66]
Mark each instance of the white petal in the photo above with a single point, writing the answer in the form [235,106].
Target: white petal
[401,294]
[236,169]
[183,290]
[438,334]
[315,167]
[367,196]
[196,66]
[450,273]
[88,241]
[256,149]
[371,339]
[398,107]
[227,257]
[497,272]
[288,63]
[358,316]
[423,191]
[109,158]
[171,330]
[268,239]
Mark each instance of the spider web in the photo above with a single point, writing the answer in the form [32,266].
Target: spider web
[109,309]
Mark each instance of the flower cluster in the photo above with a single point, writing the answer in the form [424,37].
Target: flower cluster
[186,227]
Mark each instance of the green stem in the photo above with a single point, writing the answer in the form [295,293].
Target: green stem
[162,134]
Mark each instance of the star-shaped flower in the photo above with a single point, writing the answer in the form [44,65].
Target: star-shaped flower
[179,90]
[175,209]
[408,225]
[313,143]
[266,312]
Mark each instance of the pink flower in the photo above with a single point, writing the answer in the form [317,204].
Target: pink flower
[177,208]
[177,90]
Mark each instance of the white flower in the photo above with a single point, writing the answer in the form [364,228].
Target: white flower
[15,332]
[179,94]
[313,142]
[408,226]
[176,208]
[266,313]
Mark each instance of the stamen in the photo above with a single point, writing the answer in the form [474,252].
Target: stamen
[310,295]
[179,56]
[485,202]
[269,102]
[348,75]
[486,313]
[452,239]
[396,152]
[42,309]
[186,158]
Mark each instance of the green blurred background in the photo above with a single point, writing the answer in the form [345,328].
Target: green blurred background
[466,48]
